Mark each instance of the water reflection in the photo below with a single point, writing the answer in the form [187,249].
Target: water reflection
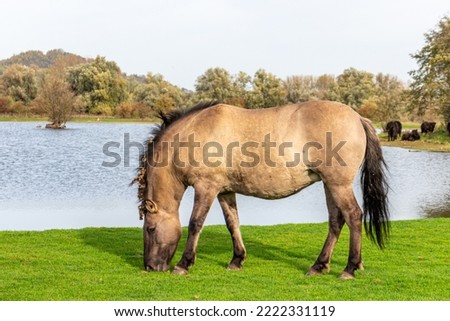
[55,179]
[420,183]
[440,210]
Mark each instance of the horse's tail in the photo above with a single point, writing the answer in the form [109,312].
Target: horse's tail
[375,188]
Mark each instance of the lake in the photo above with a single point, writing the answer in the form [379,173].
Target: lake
[64,179]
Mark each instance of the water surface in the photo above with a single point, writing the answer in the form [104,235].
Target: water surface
[57,179]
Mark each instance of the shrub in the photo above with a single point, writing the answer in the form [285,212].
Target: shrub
[132,109]
[102,109]
[5,104]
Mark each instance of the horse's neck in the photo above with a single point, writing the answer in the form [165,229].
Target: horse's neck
[165,189]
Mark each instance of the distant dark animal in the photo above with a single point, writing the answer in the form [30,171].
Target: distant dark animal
[427,127]
[394,129]
[448,127]
[411,136]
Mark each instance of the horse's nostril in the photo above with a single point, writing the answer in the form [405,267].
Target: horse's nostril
[159,267]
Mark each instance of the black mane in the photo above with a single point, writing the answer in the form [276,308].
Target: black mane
[168,119]
[173,115]
[156,133]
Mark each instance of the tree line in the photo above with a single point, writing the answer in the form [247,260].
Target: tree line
[59,84]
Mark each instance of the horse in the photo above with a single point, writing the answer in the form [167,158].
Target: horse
[427,127]
[411,136]
[394,129]
[272,153]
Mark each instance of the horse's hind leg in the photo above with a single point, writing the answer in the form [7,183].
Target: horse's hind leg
[229,208]
[347,209]
[345,201]
[335,223]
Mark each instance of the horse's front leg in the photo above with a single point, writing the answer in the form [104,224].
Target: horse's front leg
[203,200]
[229,208]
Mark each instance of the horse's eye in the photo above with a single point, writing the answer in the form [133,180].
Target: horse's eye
[151,229]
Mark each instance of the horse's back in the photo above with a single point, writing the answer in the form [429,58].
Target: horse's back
[320,124]
[309,119]
[273,152]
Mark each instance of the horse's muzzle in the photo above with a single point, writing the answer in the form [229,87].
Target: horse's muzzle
[161,267]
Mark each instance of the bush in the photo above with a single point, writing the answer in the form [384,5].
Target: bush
[102,109]
[5,104]
[124,110]
[141,110]
[37,106]
[18,107]
[132,110]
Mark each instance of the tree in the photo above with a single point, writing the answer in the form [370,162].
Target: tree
[19,82]
[268,90]
[100,84]
[301,88]
[57,100]
[389,96]
[242,84]
[326,85]
[215,84]
[353,87]
[369,109]
[430,87]
[158,94]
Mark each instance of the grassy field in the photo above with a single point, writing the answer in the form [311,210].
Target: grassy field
[106,264]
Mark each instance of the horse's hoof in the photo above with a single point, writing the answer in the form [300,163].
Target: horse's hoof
[346,276]
[312,272]
[179,271]
[234,267]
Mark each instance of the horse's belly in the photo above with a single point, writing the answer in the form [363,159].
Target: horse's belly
[273,184]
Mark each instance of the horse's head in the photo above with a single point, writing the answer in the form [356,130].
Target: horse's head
[162,232]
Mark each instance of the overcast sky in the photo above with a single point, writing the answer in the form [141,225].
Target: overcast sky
[181,39]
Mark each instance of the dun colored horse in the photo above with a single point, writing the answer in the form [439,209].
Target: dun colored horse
[271,153]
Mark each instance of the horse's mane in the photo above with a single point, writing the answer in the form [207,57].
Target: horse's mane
[156,133]
[173,115]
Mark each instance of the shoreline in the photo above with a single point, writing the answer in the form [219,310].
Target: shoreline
[78,119]
[419,145]
[436,142]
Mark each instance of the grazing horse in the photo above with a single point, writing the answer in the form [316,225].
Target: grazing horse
[427,127]
[271,153]
[394,129]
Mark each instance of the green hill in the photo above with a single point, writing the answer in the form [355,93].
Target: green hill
[40,59]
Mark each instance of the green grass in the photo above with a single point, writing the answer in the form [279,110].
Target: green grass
[437,137]
[439,141]
[106,264]
[21,118]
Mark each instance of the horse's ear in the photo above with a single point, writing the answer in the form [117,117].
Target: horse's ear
[151,206]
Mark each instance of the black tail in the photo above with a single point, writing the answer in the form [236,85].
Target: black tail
[375,188]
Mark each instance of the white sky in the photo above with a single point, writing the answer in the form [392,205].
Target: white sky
[181,39]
